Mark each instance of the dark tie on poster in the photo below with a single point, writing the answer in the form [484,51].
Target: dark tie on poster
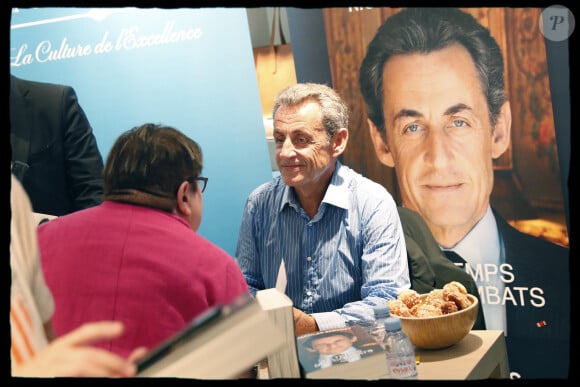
[454,257]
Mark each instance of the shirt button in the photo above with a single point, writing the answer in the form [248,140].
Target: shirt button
[309,259]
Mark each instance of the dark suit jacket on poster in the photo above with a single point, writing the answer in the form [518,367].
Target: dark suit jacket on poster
[538,336]
[54,151]
[429,268]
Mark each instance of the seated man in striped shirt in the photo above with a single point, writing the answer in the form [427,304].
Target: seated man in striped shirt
[337,232]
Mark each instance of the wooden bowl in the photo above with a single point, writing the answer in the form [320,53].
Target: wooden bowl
[441,331]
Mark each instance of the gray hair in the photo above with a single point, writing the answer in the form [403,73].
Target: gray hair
[334,110]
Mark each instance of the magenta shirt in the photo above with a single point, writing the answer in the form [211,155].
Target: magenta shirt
[142,266]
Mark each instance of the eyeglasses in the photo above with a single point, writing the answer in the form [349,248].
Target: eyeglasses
[202,181]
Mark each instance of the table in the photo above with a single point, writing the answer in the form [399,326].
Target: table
[480,355]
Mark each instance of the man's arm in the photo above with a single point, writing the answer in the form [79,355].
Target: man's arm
[304,323]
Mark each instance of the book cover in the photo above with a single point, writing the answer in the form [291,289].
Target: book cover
[282,363]
[221,343]
[343,353]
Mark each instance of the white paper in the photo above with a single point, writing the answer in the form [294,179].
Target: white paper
[281,280]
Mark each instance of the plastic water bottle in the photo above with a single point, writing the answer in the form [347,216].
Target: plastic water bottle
[399,350]
[377,330]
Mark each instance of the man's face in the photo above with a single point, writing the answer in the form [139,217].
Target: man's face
[332,345]
[440,139]
[304,154]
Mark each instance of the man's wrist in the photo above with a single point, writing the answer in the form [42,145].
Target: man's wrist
[305,324]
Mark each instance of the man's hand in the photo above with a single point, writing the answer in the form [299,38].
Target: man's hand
[304,323]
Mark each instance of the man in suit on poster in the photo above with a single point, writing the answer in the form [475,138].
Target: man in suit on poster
[433,83]
[54,151]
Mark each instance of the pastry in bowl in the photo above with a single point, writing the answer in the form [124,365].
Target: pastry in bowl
[437,319]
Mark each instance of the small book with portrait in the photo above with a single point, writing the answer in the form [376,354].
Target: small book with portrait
[342,353]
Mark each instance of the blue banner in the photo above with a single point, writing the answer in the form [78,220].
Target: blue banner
[188,68]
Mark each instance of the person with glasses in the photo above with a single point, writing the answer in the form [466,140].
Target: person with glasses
[337,233]
[136,258]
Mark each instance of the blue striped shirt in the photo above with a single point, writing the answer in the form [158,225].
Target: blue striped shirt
[350,256]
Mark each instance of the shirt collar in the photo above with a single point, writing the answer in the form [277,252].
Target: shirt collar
[337,193]
[481,244]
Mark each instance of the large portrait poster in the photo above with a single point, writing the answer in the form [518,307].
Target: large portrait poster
[528,186]
[511,227]
[191,68]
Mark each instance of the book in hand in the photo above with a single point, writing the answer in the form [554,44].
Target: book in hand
[282,363]
[342,353]
[221,343]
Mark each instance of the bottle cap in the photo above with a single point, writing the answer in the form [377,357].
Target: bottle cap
[392,323]
[382,311]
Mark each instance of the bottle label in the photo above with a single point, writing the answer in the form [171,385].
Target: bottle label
[401,367]
[379,336]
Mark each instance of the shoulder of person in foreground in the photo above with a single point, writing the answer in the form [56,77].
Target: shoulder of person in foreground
[84,162]
[428,267]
